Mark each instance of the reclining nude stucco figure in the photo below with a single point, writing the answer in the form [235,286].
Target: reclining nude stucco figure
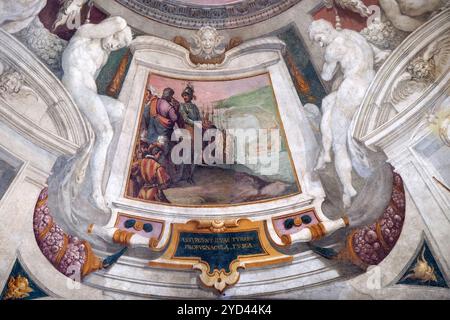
[408,15]
[84,57]
[351,52]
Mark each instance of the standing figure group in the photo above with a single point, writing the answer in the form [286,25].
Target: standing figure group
[152,170]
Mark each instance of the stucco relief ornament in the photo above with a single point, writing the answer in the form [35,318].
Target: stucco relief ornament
[70,14]
[421,72]
[208,43]
[383,34]
[21,18]
[11,82]
[207,47]
[375,31]
[422,69]
[422,270]
[356,6]
[441,125]
[44,44]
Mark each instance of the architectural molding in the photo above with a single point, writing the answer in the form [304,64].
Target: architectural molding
[189,16]
[71,130]
[379,116]
[401,130]
[299,15]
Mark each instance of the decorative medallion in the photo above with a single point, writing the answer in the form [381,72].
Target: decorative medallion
[218,249]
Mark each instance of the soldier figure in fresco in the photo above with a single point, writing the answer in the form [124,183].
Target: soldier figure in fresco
[153,175]
[135,182]
[161,116]
[190,114]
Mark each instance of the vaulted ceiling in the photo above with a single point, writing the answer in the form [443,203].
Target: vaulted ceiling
[221,14]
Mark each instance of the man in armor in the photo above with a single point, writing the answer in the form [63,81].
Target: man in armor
[190,114]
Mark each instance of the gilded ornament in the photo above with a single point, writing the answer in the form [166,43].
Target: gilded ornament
[18,288]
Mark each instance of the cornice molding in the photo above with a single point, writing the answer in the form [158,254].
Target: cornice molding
[268,44]
[189,16]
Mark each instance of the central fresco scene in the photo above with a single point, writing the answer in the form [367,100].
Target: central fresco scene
[211,164]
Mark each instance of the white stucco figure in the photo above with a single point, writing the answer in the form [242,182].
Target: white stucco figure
[357,6]
[350,51]
[69,14]
[84,57]
[17,15]
[441,120]
[408,15]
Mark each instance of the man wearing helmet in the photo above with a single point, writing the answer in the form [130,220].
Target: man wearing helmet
[190,113]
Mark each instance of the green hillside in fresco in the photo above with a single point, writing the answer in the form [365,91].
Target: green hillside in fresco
[260,103]
[262,97]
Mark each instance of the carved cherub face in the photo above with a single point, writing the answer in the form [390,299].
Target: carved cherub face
[322,32]
[207,43]
[10,82]
[118,40]
[421,69]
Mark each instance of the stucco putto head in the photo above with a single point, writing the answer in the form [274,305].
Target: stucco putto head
[207,43]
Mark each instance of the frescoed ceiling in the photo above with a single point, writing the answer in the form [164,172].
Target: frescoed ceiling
[347,199]
[210,2]
[193,14]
